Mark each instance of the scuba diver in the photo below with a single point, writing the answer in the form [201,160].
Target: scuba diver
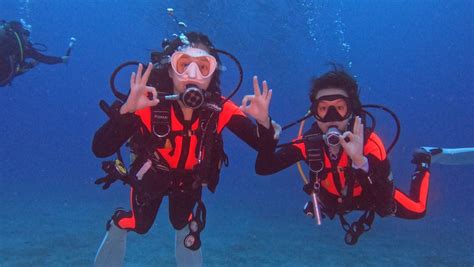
[348,165]
[173,119]
[18,55]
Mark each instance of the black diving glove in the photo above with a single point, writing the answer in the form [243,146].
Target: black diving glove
[115,171]
[421,158]
[107,181]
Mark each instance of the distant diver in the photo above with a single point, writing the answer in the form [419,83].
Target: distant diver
[18,55]
[348,165]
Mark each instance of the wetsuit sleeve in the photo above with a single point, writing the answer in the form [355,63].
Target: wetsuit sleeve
[378,179]
[269,162]
[113,134]
[247,131]
[32,53]
[239,124]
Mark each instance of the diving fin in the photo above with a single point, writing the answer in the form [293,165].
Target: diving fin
[112,250]
[451,156]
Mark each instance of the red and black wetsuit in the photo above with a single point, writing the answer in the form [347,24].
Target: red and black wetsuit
[371,190]
[179,155]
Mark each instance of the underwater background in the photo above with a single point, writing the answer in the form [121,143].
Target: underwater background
[415,57]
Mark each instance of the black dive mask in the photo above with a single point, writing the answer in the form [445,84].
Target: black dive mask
[332,114]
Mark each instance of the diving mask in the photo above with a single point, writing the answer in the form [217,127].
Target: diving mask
[332,108]
[194,63]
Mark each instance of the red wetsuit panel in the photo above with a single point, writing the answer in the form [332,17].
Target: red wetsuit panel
[414,206]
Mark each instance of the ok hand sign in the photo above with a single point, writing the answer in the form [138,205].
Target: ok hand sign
[139,91]
[256,105]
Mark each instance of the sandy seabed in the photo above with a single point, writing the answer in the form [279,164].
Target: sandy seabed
[57,228]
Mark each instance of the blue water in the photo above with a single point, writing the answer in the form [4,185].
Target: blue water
[415,57]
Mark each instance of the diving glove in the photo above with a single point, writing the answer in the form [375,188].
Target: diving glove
[115,170]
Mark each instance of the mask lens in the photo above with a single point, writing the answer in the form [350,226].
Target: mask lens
[204,65]
[339,105]
[182,63]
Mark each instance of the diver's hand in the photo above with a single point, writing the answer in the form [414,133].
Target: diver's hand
[355,147]
[65,59]
[29,65]
[107,181]
[259,102]
[139,92]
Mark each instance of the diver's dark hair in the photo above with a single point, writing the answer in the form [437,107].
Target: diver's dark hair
[337,78]
[195,39]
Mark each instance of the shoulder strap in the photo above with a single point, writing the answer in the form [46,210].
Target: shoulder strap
[210,150]
[160,123]
[314,150]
